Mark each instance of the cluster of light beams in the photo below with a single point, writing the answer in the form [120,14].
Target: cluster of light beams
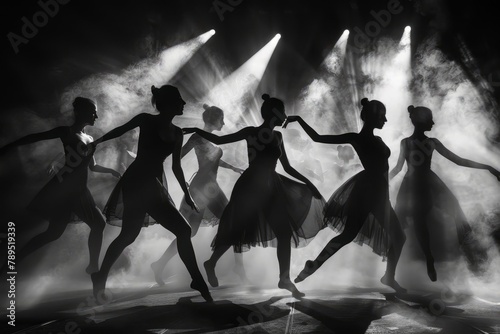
[230,94]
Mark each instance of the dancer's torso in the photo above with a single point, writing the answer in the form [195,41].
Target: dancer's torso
[77,155]
[264,149]
[208,156]
[154,146]
[418,155]
[373,153]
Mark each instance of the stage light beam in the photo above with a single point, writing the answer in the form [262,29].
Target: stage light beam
[334,60]
[232,90]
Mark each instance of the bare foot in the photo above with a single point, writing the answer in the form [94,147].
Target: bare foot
[288,285]
[157,271]
[201,286]
[390,281]
[98,286]
[309,268]
[91,269]
[431,271]
[212,279]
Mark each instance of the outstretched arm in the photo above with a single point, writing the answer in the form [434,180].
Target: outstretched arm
[177,168]
[346,138]
[190,144]
[93,166]
[401,160]
[117,132]
[219,140]
[461,161]
[293,172]
[224,164]
[51,134]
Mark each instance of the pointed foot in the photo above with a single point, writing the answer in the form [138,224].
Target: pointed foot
[157,271]
[210,270]
[201,286]
[288,285]
[309,269]
[391,282]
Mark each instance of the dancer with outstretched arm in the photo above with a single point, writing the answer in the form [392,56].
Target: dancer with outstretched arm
[265,208]
[206,192]
[422,190]
[67,193]
[360,208]
[142,187]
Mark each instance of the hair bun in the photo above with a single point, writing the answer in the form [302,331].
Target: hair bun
[206,106]
[411,108]
[265,97]
[153,89]
[364,101]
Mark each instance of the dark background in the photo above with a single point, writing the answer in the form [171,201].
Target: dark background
[91,36]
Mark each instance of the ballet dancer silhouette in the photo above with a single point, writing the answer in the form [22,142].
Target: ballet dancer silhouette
[204,188]
[422,190]
[67,193]
[143,189]
[361,207]
[266,208]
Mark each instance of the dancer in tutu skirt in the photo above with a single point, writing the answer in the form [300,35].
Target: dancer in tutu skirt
[143,189]
[422,190]
[204,188]
[360,208]
[67,194]
[265,208]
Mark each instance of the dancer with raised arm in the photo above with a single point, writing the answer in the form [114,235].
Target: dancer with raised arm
[67,193]
[204,188]
[143,189]
[266,208]
[422,190]
[360,208]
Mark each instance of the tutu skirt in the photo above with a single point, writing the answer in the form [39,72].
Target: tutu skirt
[363,200]
[143,188]
[68,196]
[264,203]
[426,192]
[209,198]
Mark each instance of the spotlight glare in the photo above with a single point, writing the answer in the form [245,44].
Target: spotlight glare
[407,28]
[346,31]
[212,32]
[278,36]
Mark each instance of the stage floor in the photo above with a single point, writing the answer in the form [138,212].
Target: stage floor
[237,309]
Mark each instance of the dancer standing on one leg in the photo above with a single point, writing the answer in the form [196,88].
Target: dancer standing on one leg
[361,207]
[204,188]
[266,208]
[422,190]
[143,190]
[67,193]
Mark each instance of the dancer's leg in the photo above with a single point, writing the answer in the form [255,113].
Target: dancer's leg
[397,240]
[97,224]
[56,228]
[423,237]
[171,219]
[284,253]
[212,262]
[159,265]
[239,268]
[351,229]
[133,217]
